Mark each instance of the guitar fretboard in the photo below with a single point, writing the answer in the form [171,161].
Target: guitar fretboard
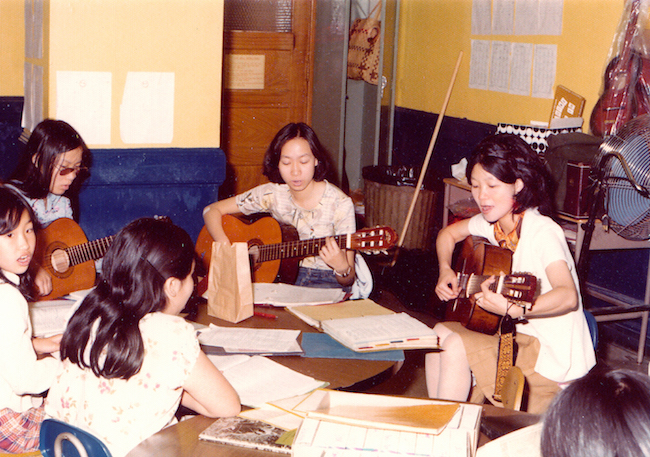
[92,250]
[304,248]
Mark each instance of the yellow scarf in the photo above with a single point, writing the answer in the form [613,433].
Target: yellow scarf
[508,240]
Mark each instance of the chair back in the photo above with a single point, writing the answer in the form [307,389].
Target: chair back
[593,328]
[58,439]
[512,391]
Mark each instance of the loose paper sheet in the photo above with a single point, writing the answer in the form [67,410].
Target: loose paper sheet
[544,64]
[259,380]
[147,110]
[83,100]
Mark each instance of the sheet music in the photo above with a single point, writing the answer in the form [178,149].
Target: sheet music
[239,339]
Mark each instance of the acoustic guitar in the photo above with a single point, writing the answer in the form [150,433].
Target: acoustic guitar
[275,249]
[63,250]
[618,103]
[477,262]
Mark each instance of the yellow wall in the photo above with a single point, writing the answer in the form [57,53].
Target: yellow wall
[433,32]
[117,36]
[12,47]
[180,36]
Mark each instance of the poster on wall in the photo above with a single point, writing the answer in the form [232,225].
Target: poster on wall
[517,17]
[83,99]
[147,109]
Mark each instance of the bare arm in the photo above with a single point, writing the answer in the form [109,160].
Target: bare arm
[447,287]
[47,345]
[43,281]
[208,392]
[212,216]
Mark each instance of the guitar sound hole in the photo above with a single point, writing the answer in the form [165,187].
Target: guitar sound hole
[60,261]
[254,252]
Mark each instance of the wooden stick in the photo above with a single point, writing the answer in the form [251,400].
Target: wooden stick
[428,156]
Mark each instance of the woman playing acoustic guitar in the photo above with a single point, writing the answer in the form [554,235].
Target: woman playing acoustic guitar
[512,189]
[47,176]
[299,195]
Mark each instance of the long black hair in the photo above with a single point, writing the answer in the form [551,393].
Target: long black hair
[508,157]
[287,133]
[12,207]
[37,164]
[143,255]
[602,414]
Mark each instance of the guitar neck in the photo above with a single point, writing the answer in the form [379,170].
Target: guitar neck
[473,283]
[522,289]
[92,250]
[304,248]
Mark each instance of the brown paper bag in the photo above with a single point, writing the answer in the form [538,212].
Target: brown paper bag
[230,289]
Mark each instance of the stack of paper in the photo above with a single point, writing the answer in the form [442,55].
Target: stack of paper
[343,422]
[256,341]
[280,294]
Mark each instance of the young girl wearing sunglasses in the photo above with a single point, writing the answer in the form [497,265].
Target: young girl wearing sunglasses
[49,174]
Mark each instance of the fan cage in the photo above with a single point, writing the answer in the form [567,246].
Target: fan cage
[624,161]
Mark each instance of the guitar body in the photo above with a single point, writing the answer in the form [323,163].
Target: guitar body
[255,231]
[479,257]
[61,234]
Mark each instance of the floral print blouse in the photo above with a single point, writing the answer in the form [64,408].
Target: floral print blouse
[122,412]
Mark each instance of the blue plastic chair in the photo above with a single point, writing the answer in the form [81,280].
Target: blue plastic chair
[593,328]
[58,439]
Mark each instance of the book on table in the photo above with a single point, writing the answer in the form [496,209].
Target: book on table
[363,326]
[239,431]
[341,422]
[316,315]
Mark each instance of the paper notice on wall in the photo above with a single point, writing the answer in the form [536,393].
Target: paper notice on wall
[479,65]
[503,17]
[481,17]
[500,66]
[83,99]
[544,65]
[147,110]
[521,68]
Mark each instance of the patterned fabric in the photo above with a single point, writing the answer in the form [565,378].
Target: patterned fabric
[50,208]
[19,431]
[120,412]
[508,240]
[334,214]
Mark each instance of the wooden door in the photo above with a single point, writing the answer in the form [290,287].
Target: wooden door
[267,84]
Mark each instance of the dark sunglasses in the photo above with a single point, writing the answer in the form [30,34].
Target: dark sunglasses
[63,171]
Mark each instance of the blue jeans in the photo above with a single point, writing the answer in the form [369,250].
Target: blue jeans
[314,277]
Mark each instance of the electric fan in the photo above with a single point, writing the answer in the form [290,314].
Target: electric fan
[623,175]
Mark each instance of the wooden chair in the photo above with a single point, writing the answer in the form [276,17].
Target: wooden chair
[513,389]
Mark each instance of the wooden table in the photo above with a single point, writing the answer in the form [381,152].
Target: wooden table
[340,373]
[182,439]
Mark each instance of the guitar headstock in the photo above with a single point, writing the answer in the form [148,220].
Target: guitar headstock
[373,239]
[522,288]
